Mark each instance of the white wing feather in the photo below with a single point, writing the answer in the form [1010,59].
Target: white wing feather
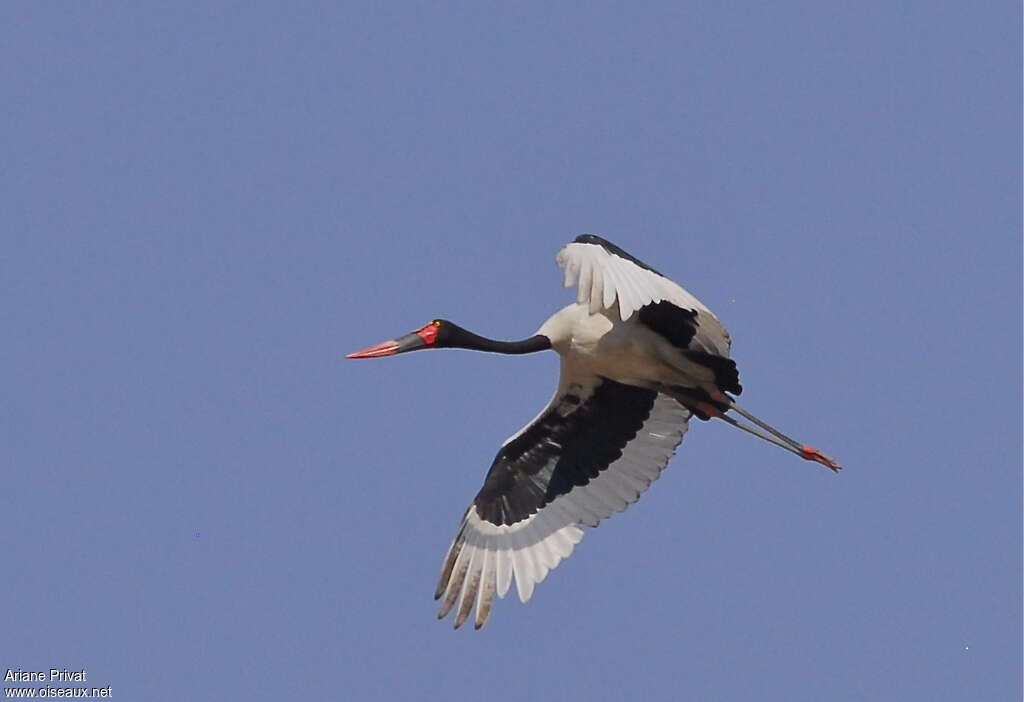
[487,557]
[604,279]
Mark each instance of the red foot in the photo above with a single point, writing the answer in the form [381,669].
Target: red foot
[813,454]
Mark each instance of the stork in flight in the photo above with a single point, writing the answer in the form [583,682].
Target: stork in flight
[639,357]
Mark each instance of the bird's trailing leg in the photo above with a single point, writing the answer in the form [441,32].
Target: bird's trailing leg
[806,452]
[774,436]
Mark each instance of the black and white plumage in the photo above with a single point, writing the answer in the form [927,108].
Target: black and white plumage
[639,357]
[575,465]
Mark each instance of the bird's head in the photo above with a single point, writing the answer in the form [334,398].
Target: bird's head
[440,333]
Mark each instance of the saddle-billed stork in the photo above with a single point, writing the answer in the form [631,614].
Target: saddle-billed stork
[639,356]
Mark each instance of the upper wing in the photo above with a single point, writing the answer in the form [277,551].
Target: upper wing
[590,453]
[604,274]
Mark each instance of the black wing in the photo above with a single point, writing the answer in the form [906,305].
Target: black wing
[596,447]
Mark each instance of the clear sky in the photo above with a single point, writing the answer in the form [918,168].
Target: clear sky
[204,207]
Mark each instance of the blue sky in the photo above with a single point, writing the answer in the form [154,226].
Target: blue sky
[206,206]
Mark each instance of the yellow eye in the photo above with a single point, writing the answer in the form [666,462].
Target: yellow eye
[436,323]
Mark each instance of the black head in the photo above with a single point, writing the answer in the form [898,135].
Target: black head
[439,333]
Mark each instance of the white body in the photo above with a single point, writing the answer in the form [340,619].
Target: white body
[601,344]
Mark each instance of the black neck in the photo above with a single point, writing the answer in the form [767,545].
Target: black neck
[459,338]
